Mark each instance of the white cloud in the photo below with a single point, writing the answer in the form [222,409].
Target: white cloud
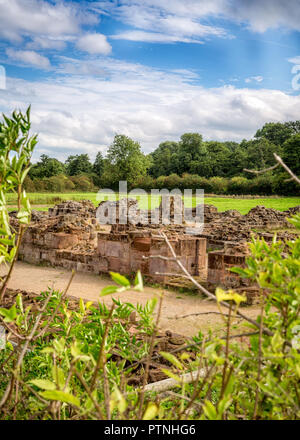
[190,20]
[29,57]
[164,21]
[152,37]
[19,18]
[83,113]
[295,60]
[47,43]
[257,79]
[94,44]
[261,15]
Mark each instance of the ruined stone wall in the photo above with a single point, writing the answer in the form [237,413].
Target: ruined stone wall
[125,253]
[69,236]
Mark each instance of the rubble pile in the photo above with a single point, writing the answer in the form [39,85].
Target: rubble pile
[293,211]
[83,208]
[70,236]
[210,213]
[267,217]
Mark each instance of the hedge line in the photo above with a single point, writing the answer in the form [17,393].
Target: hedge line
[261,185]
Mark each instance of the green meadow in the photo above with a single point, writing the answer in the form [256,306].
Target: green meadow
[42,201]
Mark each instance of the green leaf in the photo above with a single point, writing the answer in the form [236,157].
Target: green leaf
[151,411]
[44,384]
[58,376]
[9,314]
[61,396]
[19,302]
[171,375]
[152,304]
[117,400]
[229,296]
[120,279]
[108,290]
[138,282]
[172,359]
[23,217]
[81,306]
[47,350]
[210,410]
[277,342]
[59,345]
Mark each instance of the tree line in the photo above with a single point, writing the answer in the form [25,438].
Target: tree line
[217,167]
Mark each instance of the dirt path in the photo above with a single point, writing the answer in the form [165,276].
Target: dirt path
[88,286]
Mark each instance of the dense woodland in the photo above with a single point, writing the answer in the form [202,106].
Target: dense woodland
[216,167]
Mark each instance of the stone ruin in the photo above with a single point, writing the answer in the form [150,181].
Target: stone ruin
[69,236]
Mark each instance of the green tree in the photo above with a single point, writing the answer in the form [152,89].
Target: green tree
[294,126]
[219,158]
[165,159]
[98,165]
[275,132]
[46,167]
[192,150]
[125,161]
[78,164]
[291,153]
[260,153]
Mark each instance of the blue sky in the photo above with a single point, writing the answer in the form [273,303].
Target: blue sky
[150,69]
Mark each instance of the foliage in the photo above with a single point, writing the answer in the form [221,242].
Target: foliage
[124,161]
[46,167]
[16,147]
[78,164]
[291,153]
[277,132]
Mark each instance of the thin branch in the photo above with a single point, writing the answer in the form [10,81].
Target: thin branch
[88,391]
[198,314]
[261,171]
[279,163]
[167,384]
[259,358]
[8,276]
[43,331]
[146,374]
[187,346]
[167,274]
[100,361]
[206,292]
[23,352]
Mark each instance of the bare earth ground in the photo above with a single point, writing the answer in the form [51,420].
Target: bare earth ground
[88,286]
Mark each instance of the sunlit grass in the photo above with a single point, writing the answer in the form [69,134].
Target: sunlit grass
[41,201]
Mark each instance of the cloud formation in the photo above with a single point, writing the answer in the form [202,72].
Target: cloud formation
[29,57]
[20,18]
[82,113]
[256,79]
[190,21]
[94,44]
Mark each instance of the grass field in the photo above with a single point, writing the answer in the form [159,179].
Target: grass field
[42,201]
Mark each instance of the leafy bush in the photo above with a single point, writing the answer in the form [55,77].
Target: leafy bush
[83,183]
[219,185]
[238,185]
